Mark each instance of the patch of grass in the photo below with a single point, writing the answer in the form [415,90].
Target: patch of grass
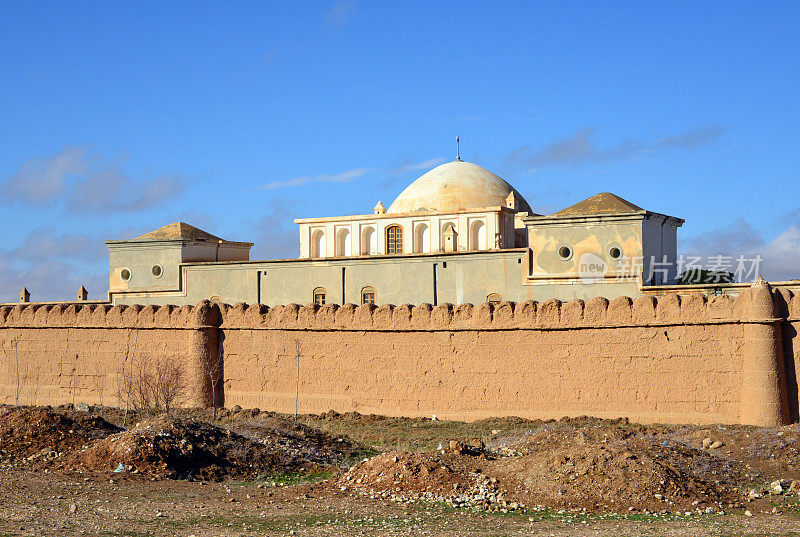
[295,478]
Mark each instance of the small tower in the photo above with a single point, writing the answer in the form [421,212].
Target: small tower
[379,208]
[450,238]
[24,295]
[83,294]
[511,201]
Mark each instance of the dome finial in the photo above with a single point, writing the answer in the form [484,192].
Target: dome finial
[458,149]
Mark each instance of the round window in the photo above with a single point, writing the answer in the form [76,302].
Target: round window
[615,252]
[157,271]
[125,274]
[565,252]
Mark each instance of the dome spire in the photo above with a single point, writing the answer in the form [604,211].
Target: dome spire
[458,149]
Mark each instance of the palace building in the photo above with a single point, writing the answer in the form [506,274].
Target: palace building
[458,233]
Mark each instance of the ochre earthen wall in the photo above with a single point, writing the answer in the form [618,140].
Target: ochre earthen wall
[54,354]
[665,359]
[672,359]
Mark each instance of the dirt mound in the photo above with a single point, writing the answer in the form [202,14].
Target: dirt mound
[406,472]
[614,467]
[300,441]
[178,448]
[404,476]
[33,433]
[588,463]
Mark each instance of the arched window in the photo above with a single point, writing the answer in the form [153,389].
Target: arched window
[422,238]
[394,240]
[343,243]
[319,296]
[368,295]
[318,243]
[477,235]
[494,298]
[369,241]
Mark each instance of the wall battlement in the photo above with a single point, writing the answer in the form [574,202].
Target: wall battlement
[668,358]
[552,314]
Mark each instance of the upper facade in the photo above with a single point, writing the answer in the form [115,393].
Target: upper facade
[455,207]
[458,233]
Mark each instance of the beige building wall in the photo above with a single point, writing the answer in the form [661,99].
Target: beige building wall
[460,277]
[498,224]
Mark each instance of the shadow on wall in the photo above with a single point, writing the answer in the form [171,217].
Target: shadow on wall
[789,335]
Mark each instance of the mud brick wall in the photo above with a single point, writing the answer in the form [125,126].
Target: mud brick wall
[667,359]
[55,354]
[672,359]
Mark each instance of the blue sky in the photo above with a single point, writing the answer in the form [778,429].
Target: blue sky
[117,118]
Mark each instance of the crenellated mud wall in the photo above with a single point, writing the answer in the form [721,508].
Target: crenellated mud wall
[55,354]
[665,359]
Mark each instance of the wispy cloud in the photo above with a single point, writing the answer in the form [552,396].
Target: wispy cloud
[88,183]
[409,166]
[275,233]
[41,180]
[780,256]
[53,264]
[340,14]
[581,149]
[112,190]
[45,244]
[341,177]
[43,286]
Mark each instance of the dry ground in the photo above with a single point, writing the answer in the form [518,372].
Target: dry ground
[51,494]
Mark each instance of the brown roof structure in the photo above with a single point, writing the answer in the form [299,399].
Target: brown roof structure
[179,230]
[603,203]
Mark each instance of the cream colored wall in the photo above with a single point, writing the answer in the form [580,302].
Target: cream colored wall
[502,224]
[589,237]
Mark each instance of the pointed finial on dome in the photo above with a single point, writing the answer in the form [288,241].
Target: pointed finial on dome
[458,149]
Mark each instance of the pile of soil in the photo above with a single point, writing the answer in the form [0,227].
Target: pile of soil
[299,441]
[587,464]
[617,466]
[32,434]
[405,472]
[454,478]
[184,449]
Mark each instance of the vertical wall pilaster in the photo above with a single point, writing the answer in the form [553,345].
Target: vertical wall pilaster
[205,368]
[764,399]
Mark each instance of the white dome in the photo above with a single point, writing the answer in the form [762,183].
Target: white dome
[453,186]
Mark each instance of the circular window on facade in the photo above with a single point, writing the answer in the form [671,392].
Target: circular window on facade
[125,274]
[157,271]
[565,252]
[615,252]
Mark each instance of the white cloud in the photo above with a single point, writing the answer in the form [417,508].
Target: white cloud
[276,235]
[87,183]
[112,190]
[581,149]
[50,280]
[780,257]
[341,177]
[44,244]
[409,166]
[43,179]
